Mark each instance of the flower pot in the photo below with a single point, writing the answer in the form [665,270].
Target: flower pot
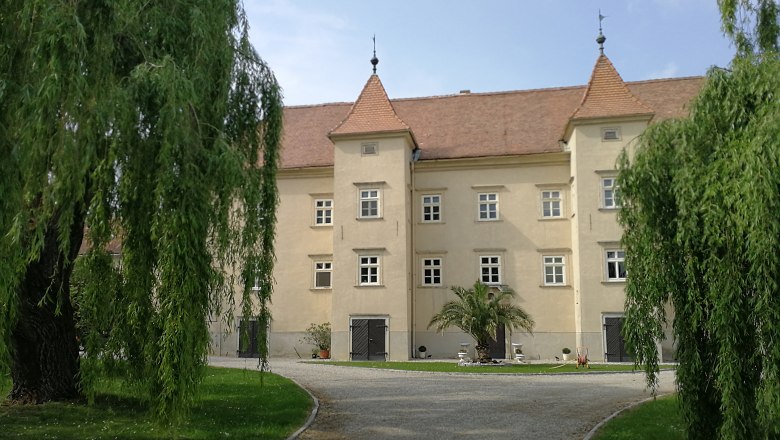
[324,354]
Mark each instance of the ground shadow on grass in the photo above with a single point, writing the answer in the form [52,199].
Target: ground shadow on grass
[233,404]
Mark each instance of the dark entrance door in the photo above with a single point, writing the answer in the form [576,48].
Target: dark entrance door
[368,340]
[498,345]
[247,339]
[616,351]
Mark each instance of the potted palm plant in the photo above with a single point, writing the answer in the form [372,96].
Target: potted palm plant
[319,336]
[479,313]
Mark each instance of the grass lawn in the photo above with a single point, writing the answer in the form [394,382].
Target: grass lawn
[654,420]
[233,405]
[452,367]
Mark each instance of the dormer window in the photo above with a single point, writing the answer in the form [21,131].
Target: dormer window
[610,134]
[368,149]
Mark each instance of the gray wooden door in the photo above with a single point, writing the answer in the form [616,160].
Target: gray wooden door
[368,340]
[616,350]
[498,345]
[247,339]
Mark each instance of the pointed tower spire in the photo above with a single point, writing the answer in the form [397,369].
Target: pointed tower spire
[371,113]
[601,38]
[374,59]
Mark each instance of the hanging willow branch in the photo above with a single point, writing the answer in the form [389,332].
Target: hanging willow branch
[152,123]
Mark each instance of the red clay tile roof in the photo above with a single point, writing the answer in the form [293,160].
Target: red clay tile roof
[371,113]
[476,124]
[607,95]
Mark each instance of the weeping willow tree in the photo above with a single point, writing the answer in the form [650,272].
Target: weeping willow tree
[154,123]
[701,211]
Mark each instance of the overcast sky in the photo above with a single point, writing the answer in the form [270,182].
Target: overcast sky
[320,49]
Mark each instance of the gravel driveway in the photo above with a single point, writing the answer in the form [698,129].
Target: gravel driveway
[360,403]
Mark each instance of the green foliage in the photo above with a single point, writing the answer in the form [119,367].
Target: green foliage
[658,419]
[160,123]
[753,25]
[318,335]
[479,312]
[701,211]
[235,404]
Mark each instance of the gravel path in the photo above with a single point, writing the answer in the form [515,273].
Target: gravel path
[360,403]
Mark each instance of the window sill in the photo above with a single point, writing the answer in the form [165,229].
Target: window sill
[369,286]
[555,286]
[552,219]
[322,226]
[602,209]
[431,223]
[321,289]
[431,286]
[606,282]
[368,219]
[495,220]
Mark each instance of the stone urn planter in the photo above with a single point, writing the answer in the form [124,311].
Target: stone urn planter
[567,355]
[324,354]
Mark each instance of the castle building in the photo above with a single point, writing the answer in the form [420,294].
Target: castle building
[385,204]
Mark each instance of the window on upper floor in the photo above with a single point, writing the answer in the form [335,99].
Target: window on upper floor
[551,204]
[610,193]
[368,149]
[368,270]
[431,271]
[615,260]
[490,269]
[369,206]
[323,271]
[323,212]
[487,206]
[554,270]
[610,134]
[431,208]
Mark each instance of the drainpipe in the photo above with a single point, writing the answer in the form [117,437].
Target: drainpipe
[413,259]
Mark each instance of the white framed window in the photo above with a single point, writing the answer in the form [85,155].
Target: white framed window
[490,269]
[368,270]
[431,208]
[431,271]
[610,193]
[551,204]
[616,264]
[487,206]
[368,206]
[323,274]
[323,212]
[554,270]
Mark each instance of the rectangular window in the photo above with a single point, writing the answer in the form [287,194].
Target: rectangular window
[490,269]
[431,208]
[369,203]
[322,274]
[610,134]
[610,193]
[488,206]
[323,212]
[616,265]
[551,204]
[369,271]
[368,149]
[431,271]
[554,271]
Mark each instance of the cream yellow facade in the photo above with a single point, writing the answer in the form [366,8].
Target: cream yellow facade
[372,238]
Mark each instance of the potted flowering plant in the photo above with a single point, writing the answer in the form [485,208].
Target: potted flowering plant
[422,349]
[319,336]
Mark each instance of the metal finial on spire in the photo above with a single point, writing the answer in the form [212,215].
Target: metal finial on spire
[601,38]
[374,59]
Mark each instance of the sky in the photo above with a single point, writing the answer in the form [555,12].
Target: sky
[319,50]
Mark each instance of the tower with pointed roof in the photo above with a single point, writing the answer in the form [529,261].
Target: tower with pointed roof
[372,219]
[608,119]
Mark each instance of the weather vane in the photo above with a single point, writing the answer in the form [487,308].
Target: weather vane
[601,38]
[374,59]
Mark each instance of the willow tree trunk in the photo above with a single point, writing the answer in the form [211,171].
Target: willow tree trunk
[44,346]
